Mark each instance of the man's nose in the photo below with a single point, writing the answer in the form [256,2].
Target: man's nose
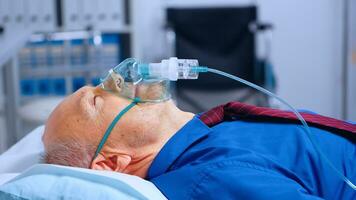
[84,90]
[97,89]
[91,89]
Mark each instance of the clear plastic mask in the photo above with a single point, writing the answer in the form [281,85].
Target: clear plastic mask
[125,80]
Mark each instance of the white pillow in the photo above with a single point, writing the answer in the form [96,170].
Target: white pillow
[45,181]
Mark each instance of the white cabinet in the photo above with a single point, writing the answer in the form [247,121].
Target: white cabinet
[103,15]
[72,18]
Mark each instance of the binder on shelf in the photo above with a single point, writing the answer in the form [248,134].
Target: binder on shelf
[28,87]
[110,54]
[77,55]
[59,86]
[78,82]
[44,86]
[58,53]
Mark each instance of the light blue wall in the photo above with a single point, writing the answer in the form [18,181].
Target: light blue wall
[351,57]
[307,52]
[2,120]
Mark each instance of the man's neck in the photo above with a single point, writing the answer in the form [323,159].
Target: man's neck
[171,120]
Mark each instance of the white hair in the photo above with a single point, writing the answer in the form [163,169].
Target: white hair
[71,153]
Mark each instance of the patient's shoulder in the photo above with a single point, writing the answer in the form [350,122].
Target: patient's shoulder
[242,180]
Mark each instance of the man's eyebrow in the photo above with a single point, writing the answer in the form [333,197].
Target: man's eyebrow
[86,105]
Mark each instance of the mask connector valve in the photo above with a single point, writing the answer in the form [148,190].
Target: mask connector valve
[171,69]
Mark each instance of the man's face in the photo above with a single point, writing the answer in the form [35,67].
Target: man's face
[75,127]
[84,114]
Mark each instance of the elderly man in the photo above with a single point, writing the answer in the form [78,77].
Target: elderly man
[187,159]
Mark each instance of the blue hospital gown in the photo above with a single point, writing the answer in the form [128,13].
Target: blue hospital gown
[252,160]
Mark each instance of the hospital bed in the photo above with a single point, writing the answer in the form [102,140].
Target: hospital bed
[23,175]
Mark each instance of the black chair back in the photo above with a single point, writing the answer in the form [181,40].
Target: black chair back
[219,38]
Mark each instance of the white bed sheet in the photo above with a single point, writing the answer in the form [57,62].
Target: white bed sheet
[24,153]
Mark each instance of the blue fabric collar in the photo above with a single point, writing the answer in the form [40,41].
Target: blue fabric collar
[176,145]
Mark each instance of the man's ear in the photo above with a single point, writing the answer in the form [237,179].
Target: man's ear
[115,162]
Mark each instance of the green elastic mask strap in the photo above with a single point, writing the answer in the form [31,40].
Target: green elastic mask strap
[112,125]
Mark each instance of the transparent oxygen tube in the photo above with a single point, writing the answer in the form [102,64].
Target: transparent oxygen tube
[174,69]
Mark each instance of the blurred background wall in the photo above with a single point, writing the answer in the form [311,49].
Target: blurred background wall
[308,52]
[307,48]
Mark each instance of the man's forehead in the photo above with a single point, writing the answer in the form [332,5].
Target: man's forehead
[60,110]
[59,118]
